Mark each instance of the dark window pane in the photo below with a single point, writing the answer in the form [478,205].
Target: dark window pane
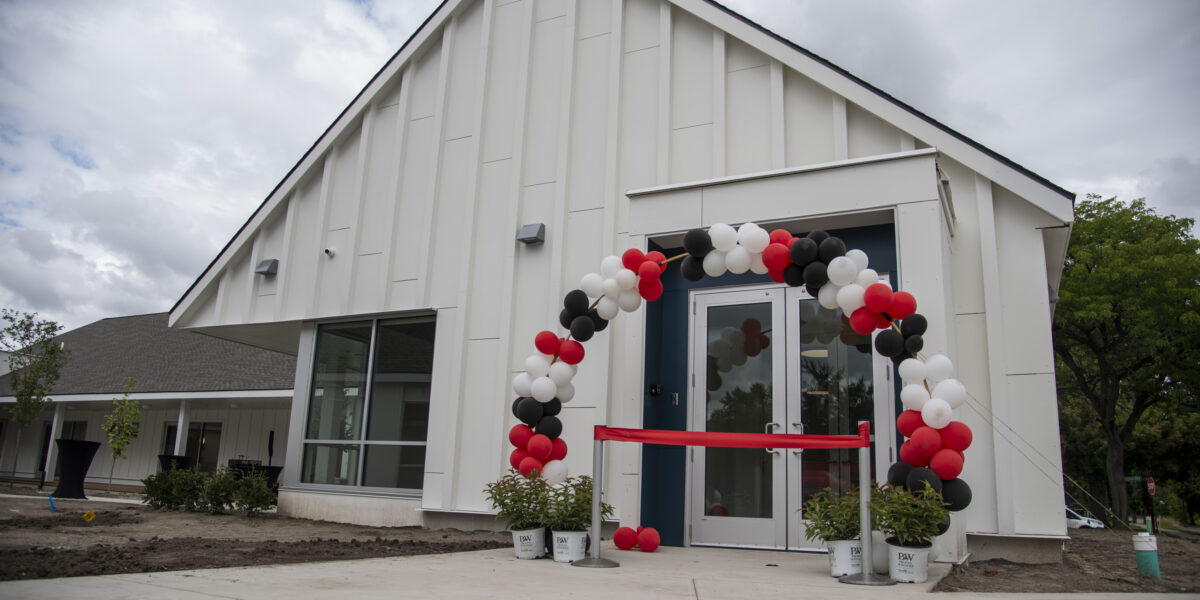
[400,388]
[335,408]
[330,464]
[394,467]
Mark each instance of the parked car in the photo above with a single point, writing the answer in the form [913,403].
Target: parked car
[1078,521]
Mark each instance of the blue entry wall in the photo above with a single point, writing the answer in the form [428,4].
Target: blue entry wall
[663,467]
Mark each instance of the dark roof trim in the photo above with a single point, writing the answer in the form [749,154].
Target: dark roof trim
[886,96]
[308,152]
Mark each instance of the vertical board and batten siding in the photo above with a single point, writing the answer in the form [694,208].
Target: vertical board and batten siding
[514,112]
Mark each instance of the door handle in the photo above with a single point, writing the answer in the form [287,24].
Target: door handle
[768,429]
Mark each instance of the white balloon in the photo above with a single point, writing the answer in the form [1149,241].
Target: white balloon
[543,389]
[859,257]
[609,266]
[827,296]
[629,300]
[590,284]
[756,264]
[952,391]
[841,271]
[914,396]
[753,238]
[714,263]
[566,391]
[626,279]
[611,288]
[866,277]
[724,364]
[736,338]
[737,356]
[938,367]
[850,298]
[561,372]
[738,260]
[537,365]
[724,237]
[607,308]
[521,384]
[554,472]
[912,370]
[936,413]
[719,349]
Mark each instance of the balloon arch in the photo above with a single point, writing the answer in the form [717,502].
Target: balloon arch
[835,276]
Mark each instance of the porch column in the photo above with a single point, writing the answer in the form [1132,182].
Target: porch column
[181,426]
[60,411]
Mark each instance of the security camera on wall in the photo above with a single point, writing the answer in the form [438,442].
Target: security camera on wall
[330,252]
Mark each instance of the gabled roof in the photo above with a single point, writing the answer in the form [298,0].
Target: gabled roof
[108,352]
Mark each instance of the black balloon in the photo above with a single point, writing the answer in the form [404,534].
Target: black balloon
[697,242]
[565,317]
[514,406]
[918,476]
[691,268]
[576,302]
[714,381]
[956,493]
[597,320]
[914,324]
[793,275]
[582,328]
[889,343]
[551,408]
[914,343]
[803,251]
[550,427]
[898,473]
[944,526]
[812,291]
[817,236]
[816,274]
[529,411]
[831,248]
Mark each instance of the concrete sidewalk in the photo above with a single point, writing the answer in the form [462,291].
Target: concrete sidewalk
[670,573]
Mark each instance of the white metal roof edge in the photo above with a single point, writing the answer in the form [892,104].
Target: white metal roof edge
[216,395]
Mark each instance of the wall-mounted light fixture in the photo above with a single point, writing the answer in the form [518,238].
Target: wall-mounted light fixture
[533,233]
[268,267]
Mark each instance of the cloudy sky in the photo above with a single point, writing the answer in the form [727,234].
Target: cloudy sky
[136,137]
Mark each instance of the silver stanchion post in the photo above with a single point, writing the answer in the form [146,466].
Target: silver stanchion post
[594,560]
[868,576]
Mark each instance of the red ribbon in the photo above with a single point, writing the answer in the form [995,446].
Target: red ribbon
[720,439]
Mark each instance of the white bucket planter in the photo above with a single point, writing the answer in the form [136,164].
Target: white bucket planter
[845,557]
[908,564]
[530,543]
[569,546]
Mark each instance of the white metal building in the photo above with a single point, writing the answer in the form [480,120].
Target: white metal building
[410,305]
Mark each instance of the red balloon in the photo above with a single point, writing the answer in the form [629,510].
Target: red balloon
[625,538]
[516,457]
[776,275]
[910,455]
[539,447]
[519,435]
[640,528]
[650,289]
[763,341]
[862,321]
[776,257]
[751,347]
[927,441]
[648,539]
[571,352]
[546,342]
[751,327]
[956,436]
[632,259]
[909,421]
[947,463]
[792,241]
[903,304]
[657,257]
[780,236]
[528,465]
[878,297]
[649,270]
[558,449]
[718,511]
[882,322]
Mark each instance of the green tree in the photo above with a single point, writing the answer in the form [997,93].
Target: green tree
[1127,324]
[34,363]
[121,425]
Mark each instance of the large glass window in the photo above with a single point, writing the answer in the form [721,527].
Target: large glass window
[368,410]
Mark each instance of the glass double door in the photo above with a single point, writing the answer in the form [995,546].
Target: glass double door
[772,360]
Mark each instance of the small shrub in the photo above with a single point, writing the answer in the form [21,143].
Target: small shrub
[187,488]
[832,516]
[218,493]
[521,501]
[156,491]
[253,494]
[570,505]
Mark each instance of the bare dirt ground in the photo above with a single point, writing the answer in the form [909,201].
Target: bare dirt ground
[129,538]
[1095,560]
